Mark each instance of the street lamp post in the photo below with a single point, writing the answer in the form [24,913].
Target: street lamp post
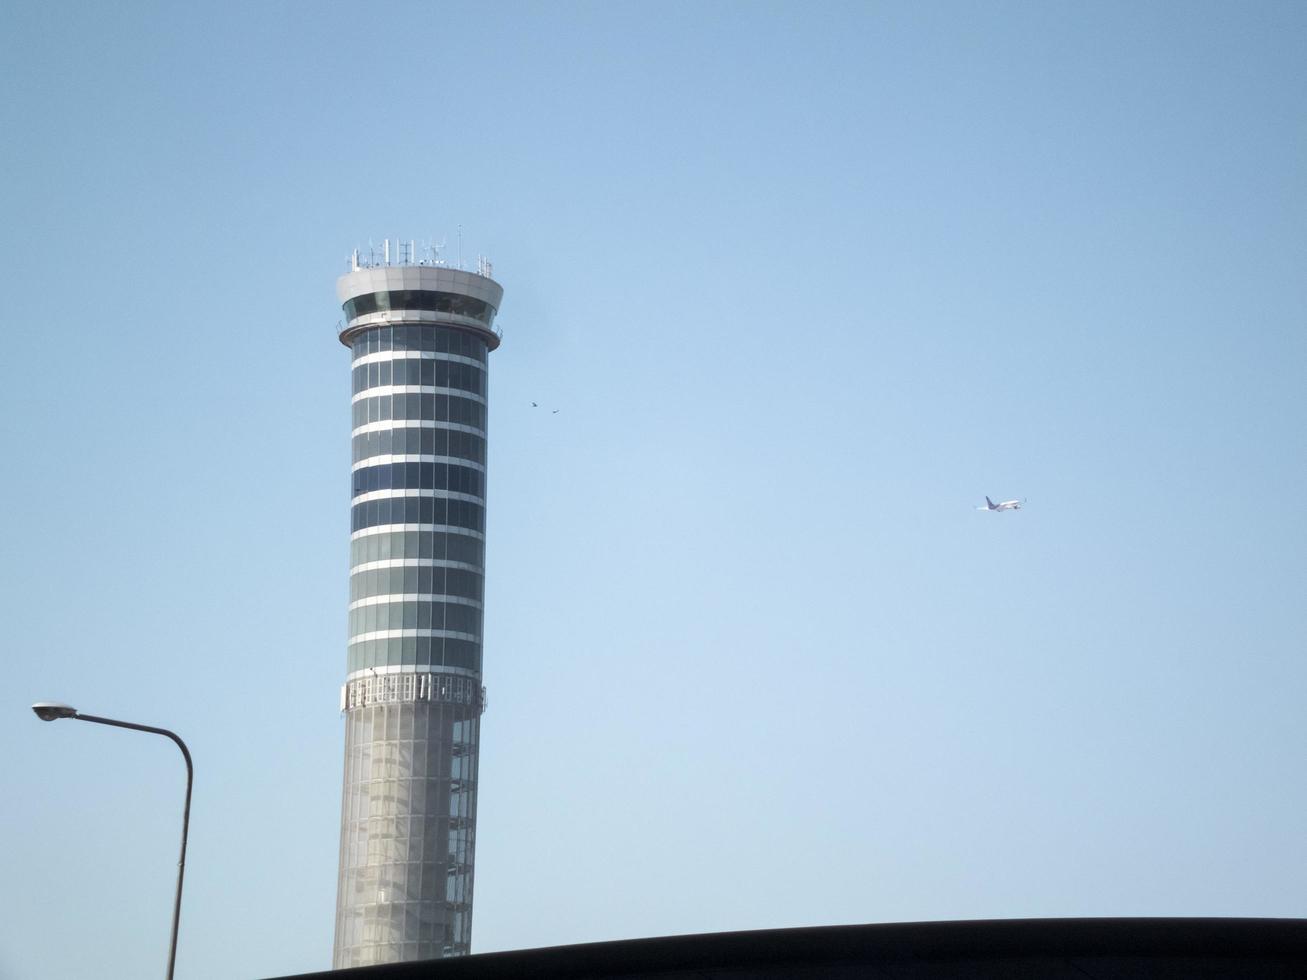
[53,710]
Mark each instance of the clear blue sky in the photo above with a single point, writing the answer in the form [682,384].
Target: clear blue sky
[805,283]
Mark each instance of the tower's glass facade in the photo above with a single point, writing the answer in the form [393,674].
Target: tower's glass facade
[419,336]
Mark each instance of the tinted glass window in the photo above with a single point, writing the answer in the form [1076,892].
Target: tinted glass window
[419,614]
[419,476]
[440,545]
[418,406]
[417,510]
[430,580]
[441,340]
[419,299]
[426,650]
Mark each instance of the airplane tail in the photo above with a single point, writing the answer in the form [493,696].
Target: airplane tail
[990,502]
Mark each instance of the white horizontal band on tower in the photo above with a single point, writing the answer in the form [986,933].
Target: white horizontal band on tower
[437,528]
[386,318]
[369,566]
[469,498]
[423,355]
[382,424]
[386,599]
[381,390]
[413,632]
[381,459]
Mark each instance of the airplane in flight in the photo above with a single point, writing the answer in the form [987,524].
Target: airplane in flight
[1003,505]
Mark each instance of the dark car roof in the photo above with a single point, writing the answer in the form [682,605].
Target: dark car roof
[998,949]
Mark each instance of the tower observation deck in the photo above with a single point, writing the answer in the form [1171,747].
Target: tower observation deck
[419,334]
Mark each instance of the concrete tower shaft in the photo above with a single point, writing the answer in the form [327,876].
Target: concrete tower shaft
[419,335]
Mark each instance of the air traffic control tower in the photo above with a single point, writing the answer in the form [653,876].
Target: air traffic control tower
[419,333]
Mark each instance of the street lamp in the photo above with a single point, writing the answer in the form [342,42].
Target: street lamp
[53,710]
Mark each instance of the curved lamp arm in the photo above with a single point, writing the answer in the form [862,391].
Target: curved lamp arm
[50,711]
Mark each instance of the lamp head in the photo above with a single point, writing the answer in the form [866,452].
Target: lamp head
[50,710]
